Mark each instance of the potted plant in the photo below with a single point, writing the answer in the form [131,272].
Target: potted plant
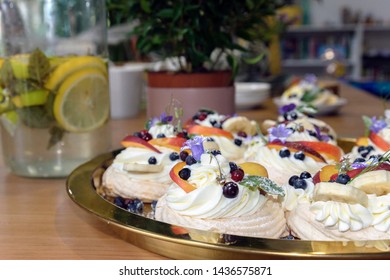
[201,38]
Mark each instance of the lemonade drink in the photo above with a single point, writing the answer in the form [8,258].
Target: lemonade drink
[54,112]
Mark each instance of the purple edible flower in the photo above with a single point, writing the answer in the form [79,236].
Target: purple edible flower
[321,137]
[196,146]
[310,79]
[377,124]
[287,108]
[280,132]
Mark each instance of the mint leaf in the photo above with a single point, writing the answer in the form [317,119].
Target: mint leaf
[7,76]
[259,182]
[38,66]
[56,135]
[310,95]
[35,117]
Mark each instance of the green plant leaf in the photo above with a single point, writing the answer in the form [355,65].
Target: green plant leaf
[367,124]
[38,66]
[310,95]
[166,13]
[35,117]
[145,5]
[259,182]
[7,76]
[254,60]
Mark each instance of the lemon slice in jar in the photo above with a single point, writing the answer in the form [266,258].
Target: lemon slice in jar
[64,67]
[82,101]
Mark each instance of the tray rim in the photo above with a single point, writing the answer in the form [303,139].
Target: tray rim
[157,237]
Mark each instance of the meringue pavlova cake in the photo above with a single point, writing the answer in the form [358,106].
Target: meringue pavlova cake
[141,170]
[376,140]
[293,145]
[216,195]
[229,132]
[348,202]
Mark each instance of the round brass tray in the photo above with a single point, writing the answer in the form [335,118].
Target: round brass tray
[178,243]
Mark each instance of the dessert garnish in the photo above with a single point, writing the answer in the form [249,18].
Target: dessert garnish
[250,175]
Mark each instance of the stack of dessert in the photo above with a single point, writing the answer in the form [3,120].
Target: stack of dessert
[281,178]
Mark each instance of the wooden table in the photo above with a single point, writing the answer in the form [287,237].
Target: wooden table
[39,221]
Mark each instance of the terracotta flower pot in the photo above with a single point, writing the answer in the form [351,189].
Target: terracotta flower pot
[213,90]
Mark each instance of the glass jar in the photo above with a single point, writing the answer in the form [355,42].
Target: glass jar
[54,93]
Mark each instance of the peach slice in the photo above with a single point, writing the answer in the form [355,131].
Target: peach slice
[327,172]
[177,230]
[174,143]
[208,131]
[252,168]
[134,141]
[362,141]
[174,174]
[295,147]
[379,141]
[329,150]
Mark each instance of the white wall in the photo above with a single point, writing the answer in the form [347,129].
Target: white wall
[329,11]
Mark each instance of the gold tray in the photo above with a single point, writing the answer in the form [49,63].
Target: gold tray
[164,239]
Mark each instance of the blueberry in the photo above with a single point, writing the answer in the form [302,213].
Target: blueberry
[153,205]
[313,133]
[135,206]
[183,155]
[300,184]
[364,154]
[215,152]
[185,173]
[230,190]
[299,155]
[119,201]
[238,142]
[359,160]
[218,125]
[361,149]
[292,180]
[370,148]
[152,160]
[137,134]
[161,135]
[305,175]
[284,153]
[213,122]
[343,179]
[190,160]
[233,166]
[174,156]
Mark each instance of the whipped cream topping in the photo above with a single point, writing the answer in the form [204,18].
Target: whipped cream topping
[141,156]
[385,134]
[311,124]
[167,129]
[210,119]
[207,200]
[380,209]
[341,216]
[229,149]
[294,196]
[271,159]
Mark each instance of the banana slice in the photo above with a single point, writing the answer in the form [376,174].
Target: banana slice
[139,167]
[240,123]
[373,182]
[210,146]
[326,191]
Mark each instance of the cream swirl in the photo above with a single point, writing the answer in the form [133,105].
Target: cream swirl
[167,129]
[281,169]
[341,216]
[311,124]
[229,149]
[380,209]
[294,196]
[207,200]
[385,134]
[210,119]
[141,156]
